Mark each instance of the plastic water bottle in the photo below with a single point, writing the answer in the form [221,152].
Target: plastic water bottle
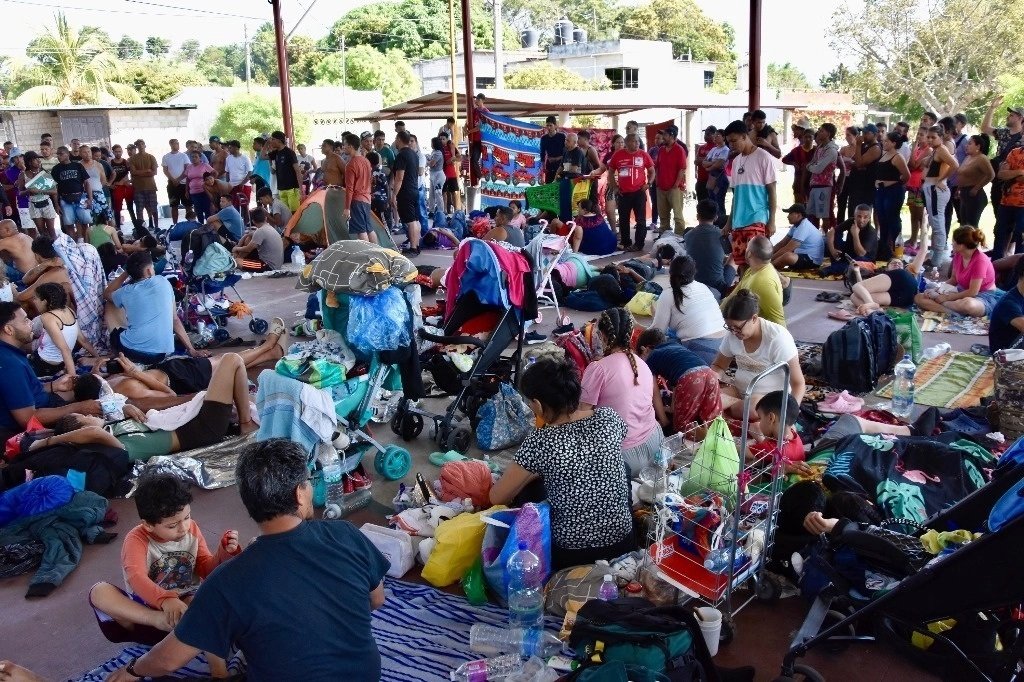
[935,351]
[335,501]
[717,560]
[490,639]
[608,590]
[525,598]
[488,669]
[933,274]
[903,388]
[297,256]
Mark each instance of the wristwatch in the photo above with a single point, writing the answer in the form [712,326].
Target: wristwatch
[130,668]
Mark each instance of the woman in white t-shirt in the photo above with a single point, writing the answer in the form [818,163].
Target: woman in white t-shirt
[689,311]
[755,344]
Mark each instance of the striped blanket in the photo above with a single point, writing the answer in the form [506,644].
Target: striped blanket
[422,634]
[951,380]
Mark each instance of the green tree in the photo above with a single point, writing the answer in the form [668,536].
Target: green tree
[73,67]
[218,64]
[787,77]
[157,46]
[156,80]
[682,23]
[368,69]
[129,48]
[839,79]
[243,117]
[942,55]
[189,51]
[544,75]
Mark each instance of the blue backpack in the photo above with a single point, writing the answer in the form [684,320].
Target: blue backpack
[440,219]
[457,224]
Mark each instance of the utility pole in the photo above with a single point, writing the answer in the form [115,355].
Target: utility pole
[754,59]
[344,80]
[499,57]
[282,68]
[248,57]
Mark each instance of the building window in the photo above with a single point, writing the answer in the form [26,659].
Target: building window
[624,78]
[709,79]
[484,83]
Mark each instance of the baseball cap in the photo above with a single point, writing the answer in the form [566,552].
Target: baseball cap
[13,153]
[870,128]
[366,134]
[671,130]
[803,122]
[710,129]
[796,208]
[1016,110]
[214,138]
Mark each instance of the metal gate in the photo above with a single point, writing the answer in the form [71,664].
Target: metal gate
[90,129]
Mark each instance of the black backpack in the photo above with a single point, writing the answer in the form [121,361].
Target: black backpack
[848,358]
[884,340]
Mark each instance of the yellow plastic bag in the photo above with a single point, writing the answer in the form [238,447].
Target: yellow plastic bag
[458,546]
[580,191]
[642,304]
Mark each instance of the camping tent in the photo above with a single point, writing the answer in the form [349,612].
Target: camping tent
[320,219]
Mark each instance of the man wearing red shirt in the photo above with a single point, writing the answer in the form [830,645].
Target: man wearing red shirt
[671,173]
[358,178]
[630,173]
[702,172]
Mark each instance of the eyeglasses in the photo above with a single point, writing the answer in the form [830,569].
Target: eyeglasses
[736,330]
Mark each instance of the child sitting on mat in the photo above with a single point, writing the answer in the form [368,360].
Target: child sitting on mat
[769,409]
[164,559]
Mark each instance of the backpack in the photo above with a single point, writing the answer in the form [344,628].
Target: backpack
[848,358]
[632,631]
[215,260]
[882,331]
[457,224]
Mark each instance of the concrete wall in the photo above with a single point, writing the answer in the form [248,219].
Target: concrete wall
[28,126]
[155,126]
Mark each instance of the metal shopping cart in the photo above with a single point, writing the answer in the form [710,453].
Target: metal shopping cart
[733,524]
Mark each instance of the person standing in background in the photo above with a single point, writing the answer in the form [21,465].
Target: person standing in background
[287,170]
[143,167]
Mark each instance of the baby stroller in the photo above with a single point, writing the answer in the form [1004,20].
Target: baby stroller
[207,274]
[977,587]
[489,288]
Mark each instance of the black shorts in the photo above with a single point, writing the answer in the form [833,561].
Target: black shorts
[187,375]
[132,354]
[804,262]
[408,209]
[177,195]
[207,427]
[902,287]
[450,185]
[42,368]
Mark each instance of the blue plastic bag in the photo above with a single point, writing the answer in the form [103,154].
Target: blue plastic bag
[504,420]
[380,322]
[457,224]
[440,219]
[530,524]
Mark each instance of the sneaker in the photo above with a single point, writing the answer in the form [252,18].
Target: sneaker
[533,338]
[564,329]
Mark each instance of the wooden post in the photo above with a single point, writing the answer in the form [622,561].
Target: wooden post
[282,67]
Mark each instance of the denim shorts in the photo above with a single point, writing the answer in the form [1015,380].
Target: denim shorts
[74,212]
[990,298]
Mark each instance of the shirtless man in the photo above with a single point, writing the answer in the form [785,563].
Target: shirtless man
[49,268]
[18,246]
[333,167]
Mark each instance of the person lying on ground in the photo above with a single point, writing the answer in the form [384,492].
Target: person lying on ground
[163,561]
[12,672]
[229,388]
[973,276]
[18,248]
[58,332]
[896,286]
[332,639]
[150,315]
[574,461]
[22,395]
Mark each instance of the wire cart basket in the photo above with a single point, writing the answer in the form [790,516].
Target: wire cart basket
[709,542]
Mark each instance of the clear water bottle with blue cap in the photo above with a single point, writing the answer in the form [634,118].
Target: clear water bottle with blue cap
[903,388]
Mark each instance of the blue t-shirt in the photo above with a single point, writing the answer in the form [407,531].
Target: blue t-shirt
[296,603]
[811,242]
[704,244]
[20,388]
[1001,332]
[149,307]
[671,361]
[232,220]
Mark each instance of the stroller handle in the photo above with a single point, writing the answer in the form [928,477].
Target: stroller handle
[451,340]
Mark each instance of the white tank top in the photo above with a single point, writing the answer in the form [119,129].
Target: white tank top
[48,350]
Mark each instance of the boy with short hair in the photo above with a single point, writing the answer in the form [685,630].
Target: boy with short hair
[769,409]
[163,559]
[380,193]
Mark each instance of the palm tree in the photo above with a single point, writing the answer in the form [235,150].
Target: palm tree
[75,67]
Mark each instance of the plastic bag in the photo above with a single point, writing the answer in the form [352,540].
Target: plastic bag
[505,420]
[716,465]
[908,332]
[473,584]
[458,546]
[530,524]
[642,304]
[380,322]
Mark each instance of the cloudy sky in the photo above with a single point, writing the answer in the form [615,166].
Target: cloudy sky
[789,36]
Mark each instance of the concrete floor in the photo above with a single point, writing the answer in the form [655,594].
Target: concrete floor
[57,636]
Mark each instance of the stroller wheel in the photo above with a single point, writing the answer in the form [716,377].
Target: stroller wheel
[258,325]
[802,673]
[458,439]
[220,334]
[393,463]
[411,426]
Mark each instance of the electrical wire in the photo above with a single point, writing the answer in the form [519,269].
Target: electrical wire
[107,10]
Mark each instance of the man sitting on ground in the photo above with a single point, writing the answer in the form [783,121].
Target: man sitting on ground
[1007,322]
[22,395]
[704,244]
[265,241]
[277,213]
[763,279]
[332,639]
[230,218]
[854,240]
[18,248]
[504,231]
[803,248]
[149,312]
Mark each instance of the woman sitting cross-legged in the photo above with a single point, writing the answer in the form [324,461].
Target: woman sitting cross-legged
[575,462]
[690,311]
[972,274]
[229,387]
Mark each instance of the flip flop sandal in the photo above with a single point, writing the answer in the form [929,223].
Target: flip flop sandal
[841,315]
[841,403]
[441,458]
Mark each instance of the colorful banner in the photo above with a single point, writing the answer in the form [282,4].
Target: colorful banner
[510,161]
